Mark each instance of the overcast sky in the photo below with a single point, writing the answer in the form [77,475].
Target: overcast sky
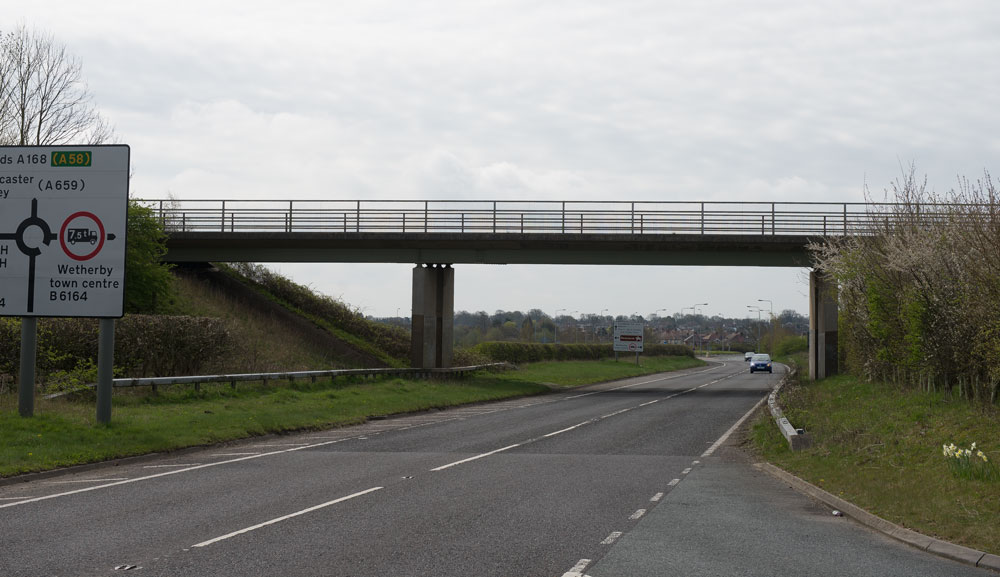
[563,100]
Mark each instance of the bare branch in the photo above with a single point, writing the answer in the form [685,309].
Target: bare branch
[43,98]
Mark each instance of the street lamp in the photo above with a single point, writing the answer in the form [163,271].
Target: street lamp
[695,308]
[595,324]
[758,309]
[770,308]
[555,322]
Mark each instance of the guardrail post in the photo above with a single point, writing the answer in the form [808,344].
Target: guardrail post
[494,217]
[563,217]
[358,223]
[290,213]
[223,216]
[845,219]
[426,215]
[633,218]
[404,222]
[772,219]
[703,218]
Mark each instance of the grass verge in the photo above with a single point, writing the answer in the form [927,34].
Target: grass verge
[64,432]
[880,447]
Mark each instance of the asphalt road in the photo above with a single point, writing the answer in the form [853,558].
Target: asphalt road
[620,479]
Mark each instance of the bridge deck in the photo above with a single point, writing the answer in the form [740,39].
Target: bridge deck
[461,248]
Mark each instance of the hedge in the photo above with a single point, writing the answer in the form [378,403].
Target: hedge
[145,346]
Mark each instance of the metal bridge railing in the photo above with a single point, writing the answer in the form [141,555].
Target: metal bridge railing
[521,217]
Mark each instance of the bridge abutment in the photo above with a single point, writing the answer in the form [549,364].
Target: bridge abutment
[823,351]
[433,317]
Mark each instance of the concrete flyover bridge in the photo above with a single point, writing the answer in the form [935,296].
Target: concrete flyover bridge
[435,235]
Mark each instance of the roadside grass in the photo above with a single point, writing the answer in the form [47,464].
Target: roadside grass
[63,431]
[265,343]
[880,447]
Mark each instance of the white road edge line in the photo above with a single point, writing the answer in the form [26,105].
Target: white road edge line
[443,467]
[676,376]
[286,517]
[736,425]
[167,473]
[577,570]
[83,481]
[566,430]
[594,420]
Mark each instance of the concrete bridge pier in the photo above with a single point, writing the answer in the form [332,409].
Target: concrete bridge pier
[432,328]
[823,352]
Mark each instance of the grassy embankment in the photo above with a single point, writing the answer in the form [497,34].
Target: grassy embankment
[880,447]
[64,433]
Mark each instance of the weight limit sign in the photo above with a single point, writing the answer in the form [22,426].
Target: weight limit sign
[62,230]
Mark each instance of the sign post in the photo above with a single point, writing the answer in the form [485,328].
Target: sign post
[62,236]
[628,337]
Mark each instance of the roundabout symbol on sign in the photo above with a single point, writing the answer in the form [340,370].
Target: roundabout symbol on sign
[81,235]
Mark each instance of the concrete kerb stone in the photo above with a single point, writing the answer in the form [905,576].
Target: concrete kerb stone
[932,545]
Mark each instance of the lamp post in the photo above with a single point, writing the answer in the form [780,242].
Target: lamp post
[555,323]
[695,308]
[770,308]
[595,324]
[752,309]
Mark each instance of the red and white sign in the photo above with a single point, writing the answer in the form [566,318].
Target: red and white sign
[62,230]
[628,336]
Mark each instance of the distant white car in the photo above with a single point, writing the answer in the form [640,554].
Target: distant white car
[748,356]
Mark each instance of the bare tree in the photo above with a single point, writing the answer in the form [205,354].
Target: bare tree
[43,98]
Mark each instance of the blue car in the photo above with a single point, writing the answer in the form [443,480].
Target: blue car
[760,362]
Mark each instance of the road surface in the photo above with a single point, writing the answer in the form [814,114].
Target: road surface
[628,478]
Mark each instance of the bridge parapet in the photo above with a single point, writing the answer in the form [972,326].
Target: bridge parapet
[518,217]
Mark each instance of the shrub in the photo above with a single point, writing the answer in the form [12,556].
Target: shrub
[144,346]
